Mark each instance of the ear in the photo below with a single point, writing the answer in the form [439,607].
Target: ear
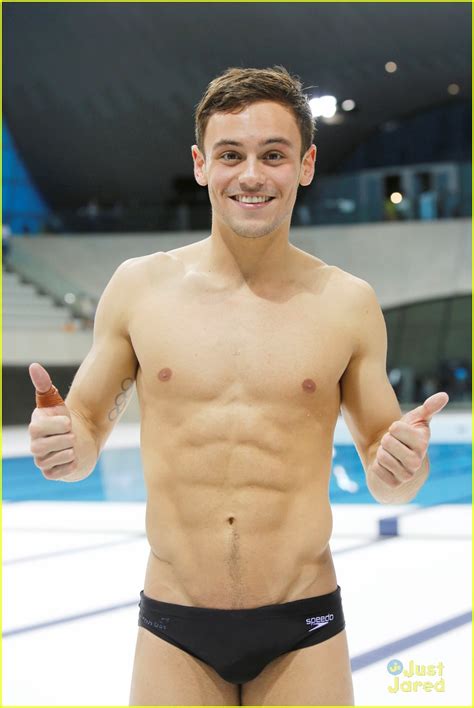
[307,166]
[199,166]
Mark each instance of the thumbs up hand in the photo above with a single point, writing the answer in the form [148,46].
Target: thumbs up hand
[51,437]
[47,395]
[402,450]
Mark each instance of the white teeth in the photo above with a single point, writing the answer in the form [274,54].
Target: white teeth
[252,200]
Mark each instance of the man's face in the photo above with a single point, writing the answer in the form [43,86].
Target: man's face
[252,167]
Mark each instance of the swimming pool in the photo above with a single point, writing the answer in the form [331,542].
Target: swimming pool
[118,477]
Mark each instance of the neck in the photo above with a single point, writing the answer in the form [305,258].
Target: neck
[252,261]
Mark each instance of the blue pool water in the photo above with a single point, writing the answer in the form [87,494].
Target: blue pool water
[118,477]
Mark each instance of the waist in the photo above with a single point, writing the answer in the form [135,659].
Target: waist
[237,577]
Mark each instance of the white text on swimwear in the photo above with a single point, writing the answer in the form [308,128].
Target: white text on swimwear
[317,622]
[163,624]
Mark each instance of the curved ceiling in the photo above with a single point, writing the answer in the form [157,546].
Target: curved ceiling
[99,97]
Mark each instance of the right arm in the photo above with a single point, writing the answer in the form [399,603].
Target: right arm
[101,388]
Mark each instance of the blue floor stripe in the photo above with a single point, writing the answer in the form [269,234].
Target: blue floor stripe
[71,551]
[391,649]
[71,618]
[365,544]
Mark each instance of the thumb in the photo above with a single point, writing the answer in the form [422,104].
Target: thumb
[40,378]
[47,395]
[433,404]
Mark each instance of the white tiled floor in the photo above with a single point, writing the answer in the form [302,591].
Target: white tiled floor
[391,589]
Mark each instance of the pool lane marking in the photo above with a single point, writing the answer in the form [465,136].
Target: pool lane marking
[391,649]
[70,551]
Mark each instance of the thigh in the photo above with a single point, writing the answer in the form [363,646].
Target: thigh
[165,675]
[319,675]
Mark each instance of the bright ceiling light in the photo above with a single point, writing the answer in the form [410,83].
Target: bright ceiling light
[453,89]
[396,197]
[324,106]
[391,67]
[348,105]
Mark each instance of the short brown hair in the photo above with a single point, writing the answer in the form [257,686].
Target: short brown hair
[237,88]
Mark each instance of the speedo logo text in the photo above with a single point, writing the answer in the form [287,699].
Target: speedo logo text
[316,622]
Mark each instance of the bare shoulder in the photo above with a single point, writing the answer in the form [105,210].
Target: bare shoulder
[357,290]
[151,269]
[362,313]
[361,310]
[162,263]
[141,266]
[338,284]
[189,252]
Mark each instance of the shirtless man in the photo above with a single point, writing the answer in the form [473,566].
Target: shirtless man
[244,349]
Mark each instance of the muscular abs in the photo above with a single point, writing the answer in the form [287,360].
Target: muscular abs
[239,396]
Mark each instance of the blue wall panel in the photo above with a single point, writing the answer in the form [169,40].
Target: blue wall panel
[23,208]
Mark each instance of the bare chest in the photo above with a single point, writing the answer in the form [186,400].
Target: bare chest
[212,347]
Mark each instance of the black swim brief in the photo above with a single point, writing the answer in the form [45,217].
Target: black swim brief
[238,644]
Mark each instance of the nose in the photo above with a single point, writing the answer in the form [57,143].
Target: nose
[251,178]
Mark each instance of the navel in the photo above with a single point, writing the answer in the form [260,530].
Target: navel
[309,386]
[165,374]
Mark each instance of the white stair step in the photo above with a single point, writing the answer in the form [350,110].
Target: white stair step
[39,308]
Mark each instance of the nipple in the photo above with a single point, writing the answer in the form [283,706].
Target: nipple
[231,520]
[308,385]
[164,374]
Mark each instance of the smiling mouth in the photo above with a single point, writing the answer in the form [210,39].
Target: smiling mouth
[247,199]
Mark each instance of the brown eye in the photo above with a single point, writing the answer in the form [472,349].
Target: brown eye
[229,156]
[274,156]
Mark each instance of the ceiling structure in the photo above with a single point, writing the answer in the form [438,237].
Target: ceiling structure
[99,97]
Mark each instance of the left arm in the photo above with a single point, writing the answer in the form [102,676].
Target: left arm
[392,447]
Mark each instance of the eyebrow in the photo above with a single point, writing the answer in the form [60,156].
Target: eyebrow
[268,141]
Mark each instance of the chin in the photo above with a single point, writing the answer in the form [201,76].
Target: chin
[247,230]
[243,233]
